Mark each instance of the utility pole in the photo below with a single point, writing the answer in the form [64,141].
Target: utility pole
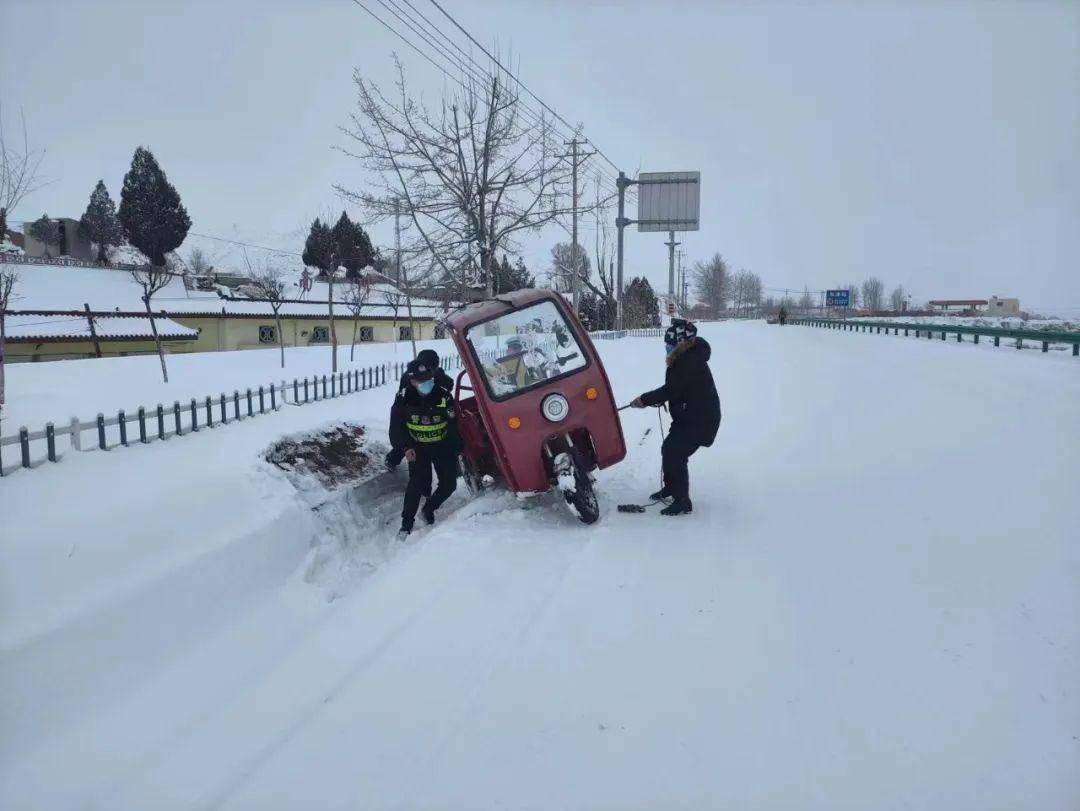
[397,240]
[671,244]
[681,276]
[577,158]
[620,225]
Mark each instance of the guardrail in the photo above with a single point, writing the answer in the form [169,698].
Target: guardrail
[161,422]
[610,334]
[1043,337]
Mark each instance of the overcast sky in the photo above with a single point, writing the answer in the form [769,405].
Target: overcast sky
[934,145]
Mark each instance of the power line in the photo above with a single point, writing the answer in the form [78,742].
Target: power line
[411,23]
[490,56]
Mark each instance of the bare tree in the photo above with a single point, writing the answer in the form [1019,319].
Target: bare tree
[472,174]
[268,283]
[9,279]
[897,298]
[153,279]
[873,292]
[712,282]
[19,165]
[853,295]
[806,301]
[356,295]
[200,264]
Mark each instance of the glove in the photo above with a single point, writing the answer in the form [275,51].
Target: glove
[637,403]
[410,454]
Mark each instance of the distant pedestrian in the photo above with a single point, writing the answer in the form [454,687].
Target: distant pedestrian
[783,315]
[691,397]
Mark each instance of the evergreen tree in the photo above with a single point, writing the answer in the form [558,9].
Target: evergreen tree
[153,218]
[640,305]
[319,248]
[354,248]
[100,224]
[46,231]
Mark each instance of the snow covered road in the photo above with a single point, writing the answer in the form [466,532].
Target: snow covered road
[874,605]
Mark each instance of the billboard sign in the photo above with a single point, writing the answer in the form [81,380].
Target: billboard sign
[837,298]
[669,201]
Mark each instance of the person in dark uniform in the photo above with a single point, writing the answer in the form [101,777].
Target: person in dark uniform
[691,398]
[782,316]
[429,357]
[423,422]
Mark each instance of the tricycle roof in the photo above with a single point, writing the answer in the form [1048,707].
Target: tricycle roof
[469,314]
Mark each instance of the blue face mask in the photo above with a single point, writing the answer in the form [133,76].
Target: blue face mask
[425,386]
[668,349]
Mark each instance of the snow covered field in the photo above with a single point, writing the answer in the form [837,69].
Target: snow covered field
[874,605]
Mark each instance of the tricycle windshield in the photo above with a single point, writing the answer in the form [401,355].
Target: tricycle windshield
[525,348]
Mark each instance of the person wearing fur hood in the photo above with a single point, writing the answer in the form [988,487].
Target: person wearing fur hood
[690,395]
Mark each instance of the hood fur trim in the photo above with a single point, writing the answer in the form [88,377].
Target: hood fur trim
[680,349]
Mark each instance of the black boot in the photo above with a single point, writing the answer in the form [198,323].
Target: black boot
[428,512]
[680,506]
[660,495]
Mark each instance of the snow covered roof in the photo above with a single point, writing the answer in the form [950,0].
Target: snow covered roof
[22,328]
[51,288]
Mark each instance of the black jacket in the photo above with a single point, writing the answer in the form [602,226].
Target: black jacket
[689,391]
[442,380]
[415,420]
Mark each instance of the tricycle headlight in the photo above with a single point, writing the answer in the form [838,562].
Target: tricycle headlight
[554,408]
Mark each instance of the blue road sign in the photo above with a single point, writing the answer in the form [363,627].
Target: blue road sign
[837,298]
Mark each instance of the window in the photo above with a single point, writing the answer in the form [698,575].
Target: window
[404,333]
[320,335]
[267,335]
[525,348]
[367,334]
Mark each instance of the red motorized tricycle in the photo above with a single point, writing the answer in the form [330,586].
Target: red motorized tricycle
[538,411]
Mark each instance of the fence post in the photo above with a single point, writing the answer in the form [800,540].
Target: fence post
[50,441]
[997,340]
[1076,350]
[236,404]
[251,411]
[305,390]
[295,391]
[142,425]
[273,398]
[101,433]
[224,413]
[160,421]
[976,337]
[194,415]
[324,386]
[363,377]
[176,417]
[333,386]
[121,421]
[209,412]
[262,401]
[24,446]
[1046,345]
[75,434]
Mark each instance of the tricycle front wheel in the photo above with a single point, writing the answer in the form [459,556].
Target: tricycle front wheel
[469,475]
[581,497]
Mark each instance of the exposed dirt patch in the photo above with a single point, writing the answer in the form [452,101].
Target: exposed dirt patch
[335,456]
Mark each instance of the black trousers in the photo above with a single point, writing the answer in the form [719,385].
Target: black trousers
[444,462]
[678,447]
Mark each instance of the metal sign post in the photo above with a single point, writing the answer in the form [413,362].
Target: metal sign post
[668,201]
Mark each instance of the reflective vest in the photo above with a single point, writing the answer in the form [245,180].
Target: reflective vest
[428,424]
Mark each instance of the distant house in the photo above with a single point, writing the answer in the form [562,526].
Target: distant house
[1003,306]
[49,318]
[957,306]
[72,242]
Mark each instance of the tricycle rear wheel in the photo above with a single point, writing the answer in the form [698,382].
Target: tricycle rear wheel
[469,474]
